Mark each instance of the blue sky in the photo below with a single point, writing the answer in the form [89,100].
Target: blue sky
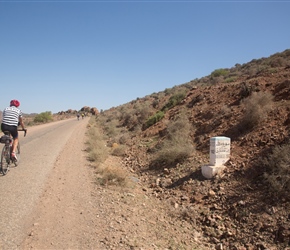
[60,55]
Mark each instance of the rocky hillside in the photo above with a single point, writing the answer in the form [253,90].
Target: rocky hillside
[165,136]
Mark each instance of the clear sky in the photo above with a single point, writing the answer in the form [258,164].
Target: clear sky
[60,55]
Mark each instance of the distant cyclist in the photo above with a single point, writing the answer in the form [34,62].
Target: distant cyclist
[12,117]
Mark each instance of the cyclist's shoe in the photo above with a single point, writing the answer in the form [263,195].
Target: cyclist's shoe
[13,156]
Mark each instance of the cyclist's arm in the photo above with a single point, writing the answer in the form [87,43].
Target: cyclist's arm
[21,122]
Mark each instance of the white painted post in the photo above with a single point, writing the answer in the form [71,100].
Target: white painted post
[219,152]
[220,148]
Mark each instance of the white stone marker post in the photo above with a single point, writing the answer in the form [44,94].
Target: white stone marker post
[220,147]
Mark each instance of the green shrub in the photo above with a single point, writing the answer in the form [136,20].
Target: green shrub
[219,72]
[231,79]
[173,101]
[154,118]
[43,117]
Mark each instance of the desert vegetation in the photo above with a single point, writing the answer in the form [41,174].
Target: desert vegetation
[43,117]
[176,145]
[277,174]
[164,139]
[256,109]
[96,146]
[99,146]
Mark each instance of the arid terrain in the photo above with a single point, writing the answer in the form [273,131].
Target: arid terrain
[76,213]
[165,202]
[247,207]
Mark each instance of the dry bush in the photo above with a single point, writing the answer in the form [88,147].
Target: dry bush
[256,107]
[180,127]
[278,62]
[111,128]
[171,153]
[246,90]
[100,119]
[98,152]
[128,116]
[120,150]
[114,114]
[174,100]
[96,147]
[107,121]
[177,145]
[225,111]
[144,113]
[278,169]
[112,175]
[124,138]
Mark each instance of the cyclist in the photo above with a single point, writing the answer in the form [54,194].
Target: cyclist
[11,118]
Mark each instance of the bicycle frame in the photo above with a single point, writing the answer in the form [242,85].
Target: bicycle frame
[6,159]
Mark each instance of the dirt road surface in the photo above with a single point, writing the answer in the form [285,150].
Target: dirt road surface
[51,201]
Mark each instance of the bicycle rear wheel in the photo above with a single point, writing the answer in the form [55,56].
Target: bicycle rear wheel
[5,160]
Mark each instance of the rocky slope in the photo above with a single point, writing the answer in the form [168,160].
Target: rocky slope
[238,209]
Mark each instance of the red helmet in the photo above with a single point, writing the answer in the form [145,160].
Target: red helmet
[14,103]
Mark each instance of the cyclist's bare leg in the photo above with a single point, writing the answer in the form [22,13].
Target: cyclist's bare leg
[14,146]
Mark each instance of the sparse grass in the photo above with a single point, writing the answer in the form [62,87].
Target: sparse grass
[98,152]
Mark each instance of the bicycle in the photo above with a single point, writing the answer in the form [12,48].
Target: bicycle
[6,159]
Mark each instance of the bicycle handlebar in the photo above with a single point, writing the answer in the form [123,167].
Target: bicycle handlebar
[25,131]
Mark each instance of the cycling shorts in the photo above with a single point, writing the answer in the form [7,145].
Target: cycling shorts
[12,129]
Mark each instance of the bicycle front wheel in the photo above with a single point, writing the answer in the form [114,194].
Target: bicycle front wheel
[5,160]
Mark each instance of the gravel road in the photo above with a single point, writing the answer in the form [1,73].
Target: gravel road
[22,187]
[52,201]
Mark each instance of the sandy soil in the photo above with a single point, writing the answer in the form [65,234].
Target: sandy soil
[75,212]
